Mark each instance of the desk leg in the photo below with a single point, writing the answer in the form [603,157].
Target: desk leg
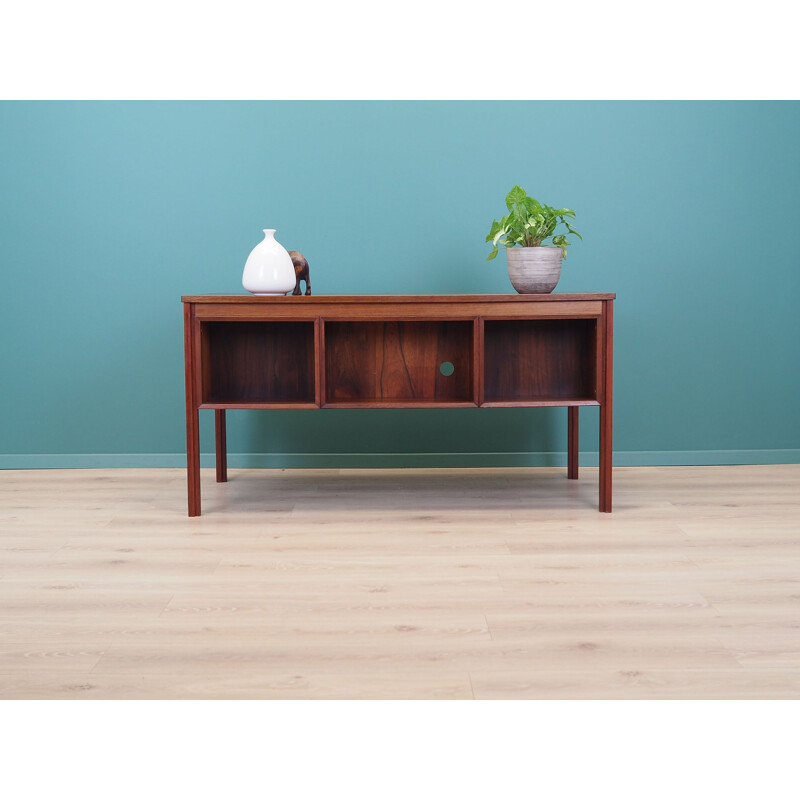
[572,442]
[606,407]
[605,457]
[222,446]
[193,461]
[192,413]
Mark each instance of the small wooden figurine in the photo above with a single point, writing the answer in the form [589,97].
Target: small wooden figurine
[300,271]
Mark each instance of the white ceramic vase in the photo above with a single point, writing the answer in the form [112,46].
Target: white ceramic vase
[534,270]
[269,268]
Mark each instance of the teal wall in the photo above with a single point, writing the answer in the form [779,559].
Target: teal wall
[110,211]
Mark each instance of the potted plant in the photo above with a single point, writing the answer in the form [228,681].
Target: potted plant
[533,267]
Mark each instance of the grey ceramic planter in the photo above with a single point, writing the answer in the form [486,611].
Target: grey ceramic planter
[534,270]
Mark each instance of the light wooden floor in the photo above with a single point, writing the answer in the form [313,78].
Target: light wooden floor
[401,584]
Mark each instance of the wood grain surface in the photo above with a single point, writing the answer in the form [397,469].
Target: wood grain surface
[258,362]
[398,361]
[470,583]
[540,359]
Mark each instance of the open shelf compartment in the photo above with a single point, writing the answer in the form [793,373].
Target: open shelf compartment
[540,361]
[270,363]
[398,363]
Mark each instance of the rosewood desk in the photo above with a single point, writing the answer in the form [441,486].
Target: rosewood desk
[398,351]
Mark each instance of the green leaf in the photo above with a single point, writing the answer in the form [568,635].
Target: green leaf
[561,241]
[516,195]
[495,227]
[498,235]
[532,205]
[573,231]
[492,255]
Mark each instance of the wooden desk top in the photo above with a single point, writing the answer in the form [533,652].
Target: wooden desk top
[396,298]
